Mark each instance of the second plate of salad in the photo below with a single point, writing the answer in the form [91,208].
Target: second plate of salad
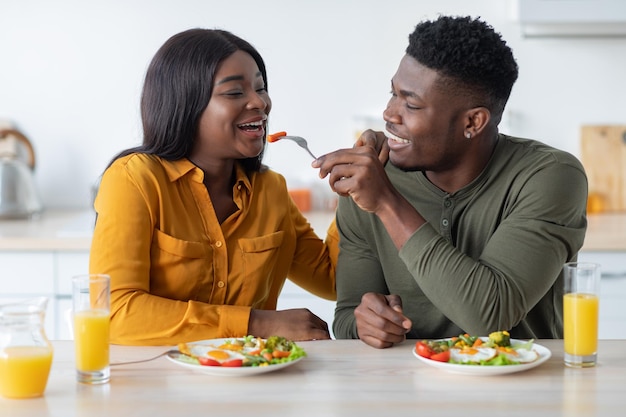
[472,355]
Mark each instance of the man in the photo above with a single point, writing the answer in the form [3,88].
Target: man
[465,229]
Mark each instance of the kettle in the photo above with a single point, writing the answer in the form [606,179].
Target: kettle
[19,198]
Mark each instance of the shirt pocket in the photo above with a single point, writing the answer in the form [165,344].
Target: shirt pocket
[178,267]
[259,258]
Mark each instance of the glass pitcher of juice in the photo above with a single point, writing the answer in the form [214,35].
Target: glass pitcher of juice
[25,351]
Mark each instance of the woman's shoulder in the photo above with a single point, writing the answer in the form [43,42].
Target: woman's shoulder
[147,167]
[144,162]
[137,159]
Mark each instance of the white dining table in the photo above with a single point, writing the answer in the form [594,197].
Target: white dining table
[337,378]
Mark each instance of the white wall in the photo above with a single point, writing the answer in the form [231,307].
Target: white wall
[71,74]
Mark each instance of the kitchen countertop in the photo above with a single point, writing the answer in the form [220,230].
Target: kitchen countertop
[72,229]
[51,230]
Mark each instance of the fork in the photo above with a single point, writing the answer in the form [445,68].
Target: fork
[146,360]
[301,143]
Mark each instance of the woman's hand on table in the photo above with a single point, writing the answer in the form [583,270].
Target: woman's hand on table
[295,324]
[379,320]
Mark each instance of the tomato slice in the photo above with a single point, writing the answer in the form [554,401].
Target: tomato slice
[441,356]
[208,361]
[423,350]
[233,363]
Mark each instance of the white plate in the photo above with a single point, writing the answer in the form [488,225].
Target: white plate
[544,355]
[200,348]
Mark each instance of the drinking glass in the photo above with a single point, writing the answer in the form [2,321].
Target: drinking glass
[580,313]
[91,309]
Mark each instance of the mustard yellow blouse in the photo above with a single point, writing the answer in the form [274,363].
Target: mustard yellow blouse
[178,275]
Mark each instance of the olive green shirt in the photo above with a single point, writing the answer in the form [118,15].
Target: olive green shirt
[489,256]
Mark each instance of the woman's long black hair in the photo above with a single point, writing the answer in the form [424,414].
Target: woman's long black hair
[177,89]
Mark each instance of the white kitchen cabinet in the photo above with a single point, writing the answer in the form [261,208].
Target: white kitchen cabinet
[43,274]
[39,257]
[26,276]
[27,273]
[612,292]
[69,264]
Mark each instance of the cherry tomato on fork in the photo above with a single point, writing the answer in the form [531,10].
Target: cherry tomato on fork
[275,136]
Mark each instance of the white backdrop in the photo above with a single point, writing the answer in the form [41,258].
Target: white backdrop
[71,74]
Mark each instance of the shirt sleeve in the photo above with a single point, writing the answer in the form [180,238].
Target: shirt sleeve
[519,264]
[121,247]
[358,270]
[314,260]
[332,241]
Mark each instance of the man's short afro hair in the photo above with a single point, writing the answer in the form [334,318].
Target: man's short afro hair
[470,52]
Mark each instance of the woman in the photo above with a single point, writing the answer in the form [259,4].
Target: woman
[197,235]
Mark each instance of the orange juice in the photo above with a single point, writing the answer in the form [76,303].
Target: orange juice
[580,323]
[91,336]
[24,370]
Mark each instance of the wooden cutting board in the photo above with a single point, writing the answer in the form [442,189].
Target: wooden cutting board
[603,154]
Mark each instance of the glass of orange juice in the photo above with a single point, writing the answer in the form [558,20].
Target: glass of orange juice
[91,310]
[581,302]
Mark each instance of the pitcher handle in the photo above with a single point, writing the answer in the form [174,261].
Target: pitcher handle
[29,147]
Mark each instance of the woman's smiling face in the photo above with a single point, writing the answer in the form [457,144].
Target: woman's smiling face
[233,124]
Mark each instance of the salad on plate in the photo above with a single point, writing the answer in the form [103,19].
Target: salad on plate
[238,356]
[495,354]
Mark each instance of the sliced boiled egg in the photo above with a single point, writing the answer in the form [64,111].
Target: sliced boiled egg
[519,355]
[472,354]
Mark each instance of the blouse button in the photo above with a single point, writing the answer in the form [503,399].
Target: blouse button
[447,203]
[445,222]
[221,284]
[218,244]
